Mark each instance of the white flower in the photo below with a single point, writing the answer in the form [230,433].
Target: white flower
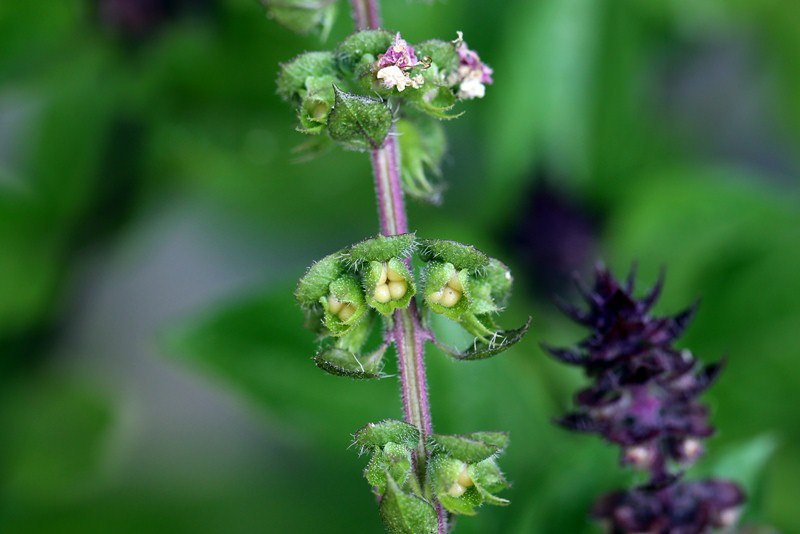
[471,88]
[393,76]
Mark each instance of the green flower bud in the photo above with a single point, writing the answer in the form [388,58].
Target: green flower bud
[361,49]
[307,72]
[303,16]
[406,513]
[317,104]
[379,434]
[461,256]
[380,248]
[344,305]
[388,285]
[358,122]
[447,290]
[492,288]
[393,460]
[488,479]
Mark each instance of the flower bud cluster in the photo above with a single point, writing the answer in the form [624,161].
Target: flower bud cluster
[644,398]
[462,473]
[430,77]
[345,292]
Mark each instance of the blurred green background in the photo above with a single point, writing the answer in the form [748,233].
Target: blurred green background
[154,373]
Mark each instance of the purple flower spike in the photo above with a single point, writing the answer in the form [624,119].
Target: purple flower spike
[679,508]
[644,398]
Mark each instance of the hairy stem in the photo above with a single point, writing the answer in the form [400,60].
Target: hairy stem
[366,14]
[408,335]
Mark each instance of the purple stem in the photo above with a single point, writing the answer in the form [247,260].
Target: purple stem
[366,14]
[408,335]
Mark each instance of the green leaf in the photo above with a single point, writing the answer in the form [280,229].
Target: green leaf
[256,348]
[404,513]
[422,144]
[341,362]
[358,122]
[745,462]
[487,347]
[470,448]
[303,16]
[389,430]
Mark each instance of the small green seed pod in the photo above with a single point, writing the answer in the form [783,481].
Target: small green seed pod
[447,290]
[388,285]
[344,305]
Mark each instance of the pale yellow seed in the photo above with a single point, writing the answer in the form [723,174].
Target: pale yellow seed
[334,305]
[464,479]
[456,490]
[393,275]
[382,293]
[382,279]
[347,312]
[398,289]
[455,283]
[436,296]
[450,297]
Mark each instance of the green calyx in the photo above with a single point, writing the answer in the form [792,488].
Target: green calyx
[403,507]
[344,305]
[358,122]
[463,472]
[344,292]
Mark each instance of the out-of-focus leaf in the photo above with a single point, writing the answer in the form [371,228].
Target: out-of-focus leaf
[258,348]
[54,439]
[745,463]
